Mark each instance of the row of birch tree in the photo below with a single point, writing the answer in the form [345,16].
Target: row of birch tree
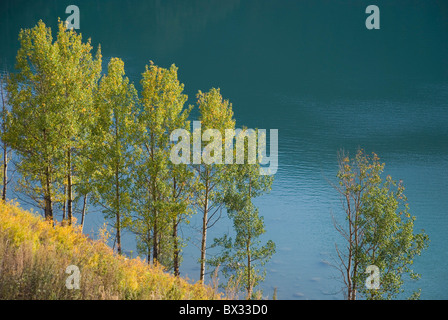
[83,137]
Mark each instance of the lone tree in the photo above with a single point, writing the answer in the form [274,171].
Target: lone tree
[378,230]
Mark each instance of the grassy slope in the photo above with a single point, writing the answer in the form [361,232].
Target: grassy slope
[34,256]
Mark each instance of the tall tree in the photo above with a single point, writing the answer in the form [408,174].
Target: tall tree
[378,229]
[114,151]
[79,75]
[212,173]
[48,96]
[242,258]
[158,182]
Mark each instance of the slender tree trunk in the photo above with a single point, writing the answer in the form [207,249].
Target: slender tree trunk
[5,170]
[155,232]
[249,266]
[204,234]
[155,235]
[47,196]
[152,199]
[176,248]
[117,196]
[64,204]
[175,239]
[350,279]
[69,188]
[47,184]
[148,239]
[83,213]
[155,248]
[5,149]
[148,234]
[249,271]
[159,241]
[357,204]
[117,186]
[203,243]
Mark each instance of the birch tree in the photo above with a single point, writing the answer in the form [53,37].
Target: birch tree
[216,115]
[242,257]
[50,95]
[79,76]
[161,187]
[378,230]
[114,151]
[41,115]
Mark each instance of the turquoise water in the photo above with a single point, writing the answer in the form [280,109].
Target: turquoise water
[313,71]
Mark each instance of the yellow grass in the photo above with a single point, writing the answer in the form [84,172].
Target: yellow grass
[34,256]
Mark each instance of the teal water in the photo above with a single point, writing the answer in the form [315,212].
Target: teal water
[313,71]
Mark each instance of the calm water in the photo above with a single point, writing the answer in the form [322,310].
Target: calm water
[312,70]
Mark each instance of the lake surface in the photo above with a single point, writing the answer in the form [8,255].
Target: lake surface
[312,70]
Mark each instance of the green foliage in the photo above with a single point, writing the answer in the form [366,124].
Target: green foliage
[213,179]
[161,188]
[242,258]
[380,227]
[50,100]
[76,132]
[113,148]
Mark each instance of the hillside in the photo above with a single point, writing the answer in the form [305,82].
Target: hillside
[34,257]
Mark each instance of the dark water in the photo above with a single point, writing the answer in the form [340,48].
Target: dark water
[313,71]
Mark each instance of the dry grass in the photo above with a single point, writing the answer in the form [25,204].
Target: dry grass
[34,256]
